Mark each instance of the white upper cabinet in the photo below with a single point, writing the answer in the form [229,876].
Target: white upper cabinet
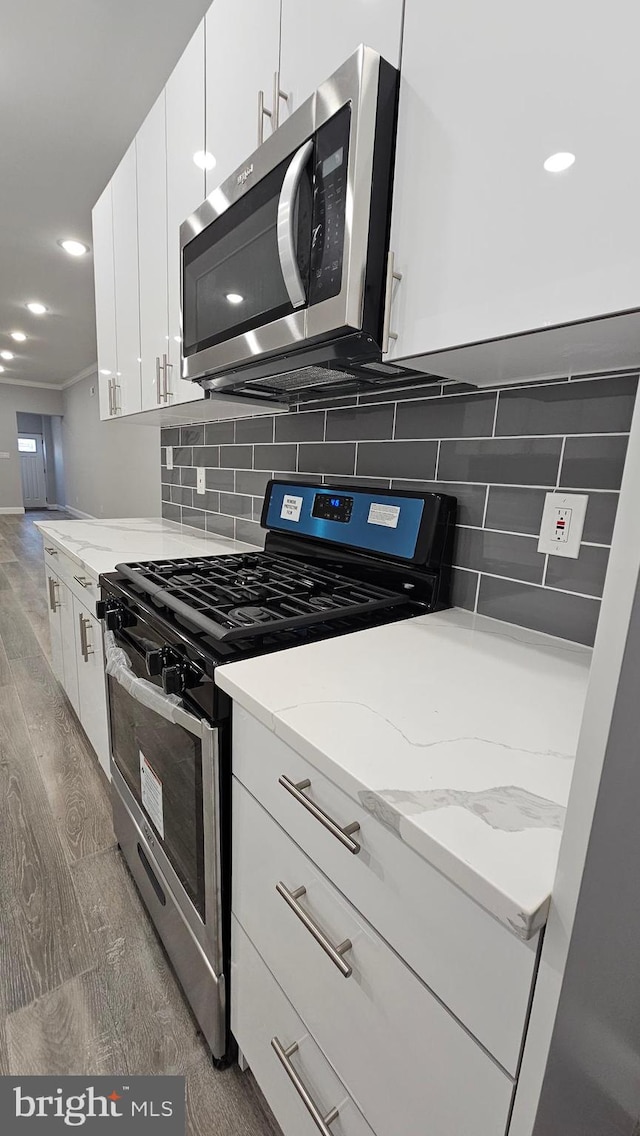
[489,243]
[151,150]
[105,297]
[317,39]
[243,47]
[125,259]
[185,188]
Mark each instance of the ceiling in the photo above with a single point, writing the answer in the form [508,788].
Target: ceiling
[77,77]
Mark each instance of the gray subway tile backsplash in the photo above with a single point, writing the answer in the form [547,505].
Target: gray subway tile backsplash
[397,459]
[499,554]
[593,462]
[497,452]
[541,609]
[459,416]
[501,461]
[595,406]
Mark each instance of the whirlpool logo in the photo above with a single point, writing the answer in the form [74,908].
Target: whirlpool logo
[137,1105]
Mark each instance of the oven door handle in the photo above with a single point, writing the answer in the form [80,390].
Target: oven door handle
[168,706]
[286,225]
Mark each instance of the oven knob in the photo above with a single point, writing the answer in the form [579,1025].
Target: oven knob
[113,620]
[101,609]
[154,662]
[173,679]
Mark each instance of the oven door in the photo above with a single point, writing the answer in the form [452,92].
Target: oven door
[165,765]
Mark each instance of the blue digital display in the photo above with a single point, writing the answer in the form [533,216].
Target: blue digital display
[362,518]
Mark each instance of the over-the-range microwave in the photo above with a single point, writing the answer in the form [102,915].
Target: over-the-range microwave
[285,271]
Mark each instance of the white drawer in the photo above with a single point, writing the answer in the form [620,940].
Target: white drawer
[261,1013]
[408,1064]
[80,582]
[475,965]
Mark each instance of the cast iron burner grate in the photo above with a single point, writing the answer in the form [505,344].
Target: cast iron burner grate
[240,596]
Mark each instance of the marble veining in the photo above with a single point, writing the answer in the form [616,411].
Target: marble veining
[446,728]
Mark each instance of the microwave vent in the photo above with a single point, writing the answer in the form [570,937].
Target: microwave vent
[301,379]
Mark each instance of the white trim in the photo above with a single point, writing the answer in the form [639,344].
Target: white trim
[80,514]
[27,383]
[11,509]
[92,370]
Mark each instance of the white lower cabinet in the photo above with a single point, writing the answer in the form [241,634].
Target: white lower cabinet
[263,1021]
[405,1060]
[77,657]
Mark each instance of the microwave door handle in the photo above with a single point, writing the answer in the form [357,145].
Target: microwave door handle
[286,225]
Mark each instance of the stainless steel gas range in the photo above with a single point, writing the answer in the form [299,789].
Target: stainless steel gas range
[336,560]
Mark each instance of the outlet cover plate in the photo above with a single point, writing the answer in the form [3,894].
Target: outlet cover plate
[169,457]
[200,480]
[562,524]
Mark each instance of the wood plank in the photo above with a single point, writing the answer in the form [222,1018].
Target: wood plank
[6,678]
[151,1017]
[77,791]
[49,941]
[67,1031]
[16,632]
[228,1102]
[4,1053]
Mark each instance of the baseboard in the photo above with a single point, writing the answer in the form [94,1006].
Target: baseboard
[80,514]
[11,509]
[52,507]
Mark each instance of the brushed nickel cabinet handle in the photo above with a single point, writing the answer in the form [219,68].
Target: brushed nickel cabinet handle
[284,1057]
[112,398]
[85,648]
[387,334]
[54,603]
[51,551]
[166,367]
[82,580]
[335,953]
[278,94]
[342,834]
[262,114]
[158,388]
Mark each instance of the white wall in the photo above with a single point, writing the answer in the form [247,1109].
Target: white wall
[13,399]
[111,469]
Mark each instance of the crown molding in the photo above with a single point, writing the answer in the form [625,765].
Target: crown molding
[27,383]
[90,370]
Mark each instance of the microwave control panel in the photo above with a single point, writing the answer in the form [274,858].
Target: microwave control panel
[329,197]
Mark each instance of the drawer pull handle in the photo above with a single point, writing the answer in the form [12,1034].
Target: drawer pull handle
[334,953]
[51,551]
[341,834]
[82,580]
[284,1057]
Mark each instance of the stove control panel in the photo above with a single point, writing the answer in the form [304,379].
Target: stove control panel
[332,507]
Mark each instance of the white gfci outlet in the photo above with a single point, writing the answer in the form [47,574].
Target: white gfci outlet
[562,524]
[169,457]
[200,481]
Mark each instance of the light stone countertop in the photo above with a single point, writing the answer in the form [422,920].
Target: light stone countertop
[98,545]
[455,730]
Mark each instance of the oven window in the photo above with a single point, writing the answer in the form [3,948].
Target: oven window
[171,761]
[232,279]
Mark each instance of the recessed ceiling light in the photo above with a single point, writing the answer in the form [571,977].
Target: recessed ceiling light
[74,248]
[6,354]
[19,336]
[556,163]
[204,159]
[234,297]
[36,308]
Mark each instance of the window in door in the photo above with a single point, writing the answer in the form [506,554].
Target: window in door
[31,450]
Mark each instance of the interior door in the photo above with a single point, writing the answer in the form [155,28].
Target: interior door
[34,491]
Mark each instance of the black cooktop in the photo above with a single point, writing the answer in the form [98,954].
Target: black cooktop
[237,597]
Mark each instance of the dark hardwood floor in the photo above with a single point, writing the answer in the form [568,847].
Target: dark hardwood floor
[85,986]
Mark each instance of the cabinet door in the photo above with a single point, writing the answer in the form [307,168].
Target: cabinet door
[151,154]
[55,628]
[125,248]
[105,298]
[92,692]
[488,242]
[243,45]
[315,41]
[185,189]
[69,650]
